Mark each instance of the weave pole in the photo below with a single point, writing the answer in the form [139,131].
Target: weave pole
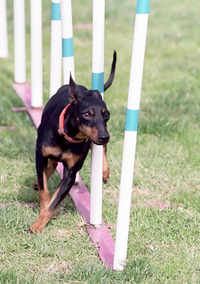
[56,48]
[3,30]
[67,40]
[36,54]
[132,114]
[97,84]
[19,42]
[67,45]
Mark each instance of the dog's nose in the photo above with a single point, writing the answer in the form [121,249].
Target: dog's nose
[104,139]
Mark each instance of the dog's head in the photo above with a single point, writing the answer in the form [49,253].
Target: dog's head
[90,113]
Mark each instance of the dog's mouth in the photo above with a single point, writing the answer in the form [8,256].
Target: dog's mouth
[101,141]
[97,137]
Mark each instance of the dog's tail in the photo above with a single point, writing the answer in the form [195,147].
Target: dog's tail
[112,72]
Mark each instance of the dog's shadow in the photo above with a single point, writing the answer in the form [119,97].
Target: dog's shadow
[28,196]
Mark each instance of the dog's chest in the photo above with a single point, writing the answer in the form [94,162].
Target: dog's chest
[67,157]
[70,159]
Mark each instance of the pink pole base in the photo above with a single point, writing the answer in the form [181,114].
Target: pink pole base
[100,237]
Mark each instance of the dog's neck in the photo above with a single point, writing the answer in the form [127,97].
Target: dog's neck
[66,113]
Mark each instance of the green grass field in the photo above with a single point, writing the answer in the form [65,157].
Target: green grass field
[164,243]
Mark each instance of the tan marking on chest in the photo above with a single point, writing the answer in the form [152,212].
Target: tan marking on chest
[51,151]
[70,159]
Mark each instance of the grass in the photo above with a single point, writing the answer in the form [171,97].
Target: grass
[164,242]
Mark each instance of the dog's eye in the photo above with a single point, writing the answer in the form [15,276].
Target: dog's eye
[106,115]
[86,115]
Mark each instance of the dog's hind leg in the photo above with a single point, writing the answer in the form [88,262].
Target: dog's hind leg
[49,171]
[51,168]
[106,169]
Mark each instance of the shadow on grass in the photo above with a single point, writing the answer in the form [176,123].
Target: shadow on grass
[27,195]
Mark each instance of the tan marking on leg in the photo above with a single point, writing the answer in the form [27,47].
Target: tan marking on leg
[41,221]
[51,168]
[51,151]
[45,215]
[106,169]
[44,195]
[70,159]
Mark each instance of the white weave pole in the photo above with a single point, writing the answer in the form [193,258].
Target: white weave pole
[67,45]
[134,94]
[97,84]
[67,40]
[56,48]
[36,54]
[19,42]
[3,30]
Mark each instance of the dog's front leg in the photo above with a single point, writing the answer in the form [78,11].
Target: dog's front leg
[60,193]
[106,169]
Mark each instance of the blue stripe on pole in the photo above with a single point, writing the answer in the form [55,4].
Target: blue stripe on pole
[55,11]
[67,47]
[98,82]
[131,120]
[142,7]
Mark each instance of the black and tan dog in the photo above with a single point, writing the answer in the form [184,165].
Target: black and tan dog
[72,118]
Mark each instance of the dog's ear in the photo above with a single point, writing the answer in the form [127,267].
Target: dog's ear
[97,94]
[74,93]
[94,93]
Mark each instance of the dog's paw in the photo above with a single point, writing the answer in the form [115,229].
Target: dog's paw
[35,231]
[106,175]
[35,187]
[36,228]
[29,231]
